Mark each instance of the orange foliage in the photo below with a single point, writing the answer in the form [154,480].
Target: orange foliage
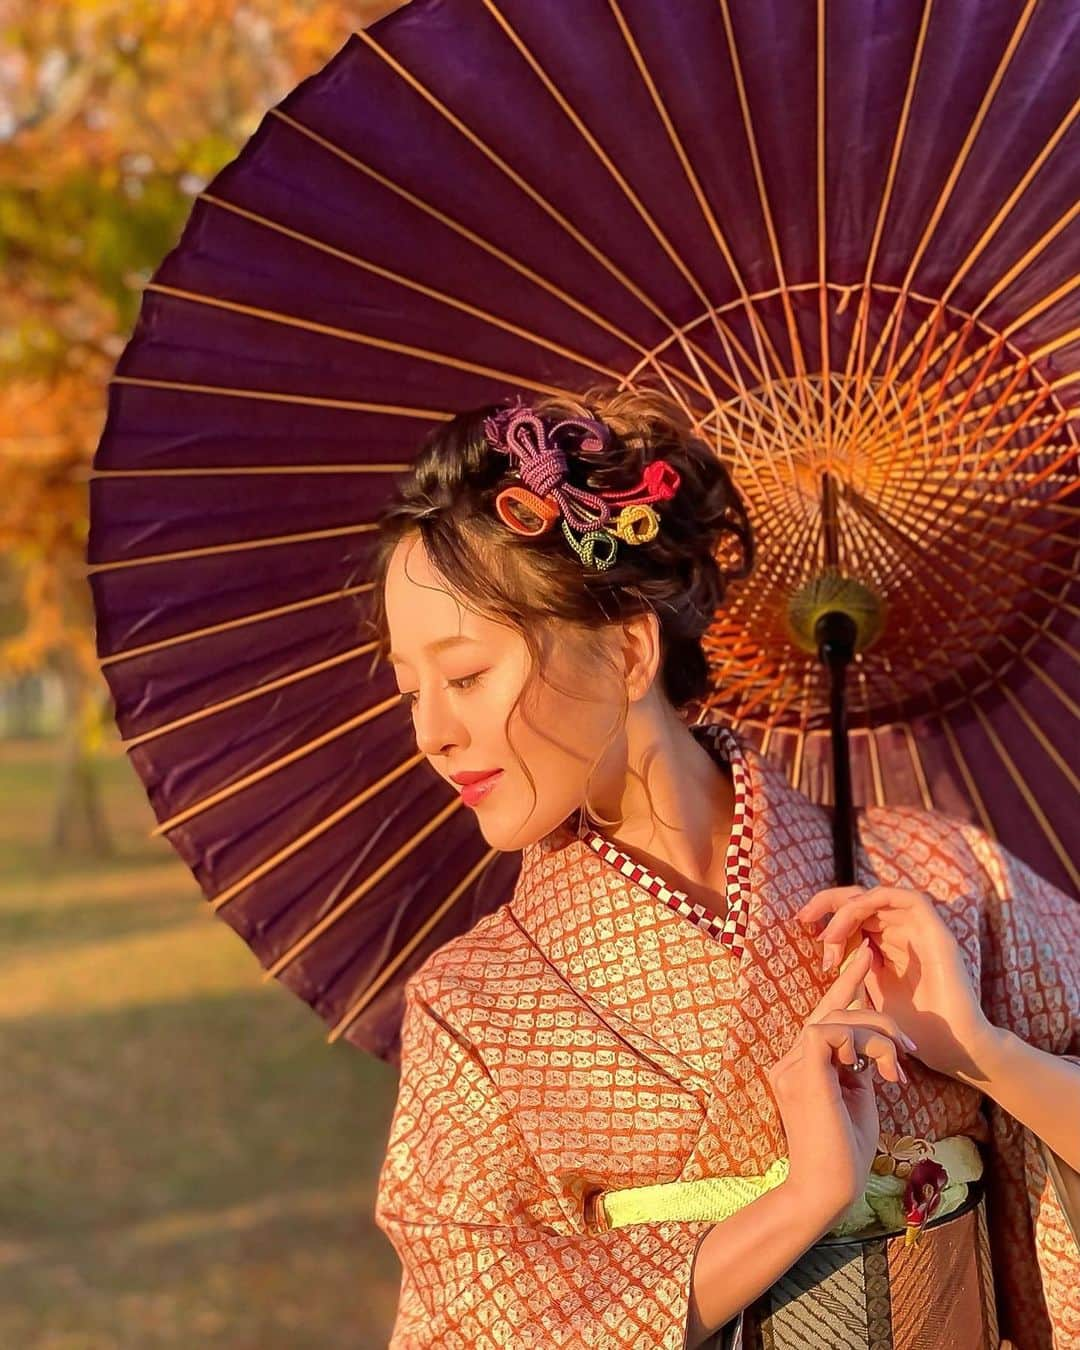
[113,115]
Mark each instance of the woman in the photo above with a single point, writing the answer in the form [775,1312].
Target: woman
[656,1003]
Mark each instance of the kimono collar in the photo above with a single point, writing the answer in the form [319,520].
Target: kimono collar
[627,949]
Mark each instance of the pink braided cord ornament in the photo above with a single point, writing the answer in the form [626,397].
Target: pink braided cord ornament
[533,445]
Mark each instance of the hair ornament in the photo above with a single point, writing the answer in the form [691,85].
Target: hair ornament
[592,522]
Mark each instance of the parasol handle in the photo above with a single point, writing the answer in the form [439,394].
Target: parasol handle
[835,633]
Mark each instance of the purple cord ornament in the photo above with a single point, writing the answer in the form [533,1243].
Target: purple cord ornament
[586,516]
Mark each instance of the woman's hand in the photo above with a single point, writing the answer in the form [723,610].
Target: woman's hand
[828,1111]
[918,974]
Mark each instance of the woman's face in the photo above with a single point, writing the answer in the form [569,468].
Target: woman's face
[462,673]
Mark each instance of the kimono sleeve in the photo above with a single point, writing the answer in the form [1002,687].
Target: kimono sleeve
[1031,985]
[1031,950]
[489,1256]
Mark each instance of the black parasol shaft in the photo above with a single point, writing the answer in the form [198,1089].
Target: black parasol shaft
[836,633]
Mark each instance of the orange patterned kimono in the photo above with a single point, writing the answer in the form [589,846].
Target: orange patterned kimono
[597,1033]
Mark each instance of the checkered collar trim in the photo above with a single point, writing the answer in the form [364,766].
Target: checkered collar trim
[730,931]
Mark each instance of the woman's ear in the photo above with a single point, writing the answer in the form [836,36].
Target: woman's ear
[641,653]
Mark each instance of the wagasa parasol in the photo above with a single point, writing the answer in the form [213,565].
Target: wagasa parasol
[842,236]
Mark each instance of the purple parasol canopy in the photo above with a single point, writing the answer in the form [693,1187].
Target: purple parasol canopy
[843,237]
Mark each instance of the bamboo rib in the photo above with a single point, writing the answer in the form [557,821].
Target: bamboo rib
[727,412]
[939,519]
[996,341]
[1025,261]
[471,236]
[358,892]
[303,400]
[309,836]
[794,341]
[895,485]
[759,332]
[365,339]
[918,768]
[948,658]
[1028,721]
[748,404]
[519,181]
[857,345]
[945,433]
[767,510]
[1021,264]
[1026,361]
[876,776]
[246,695]
[769,691]
[820,101]
[1029,797]
[254,470]
[719,411]
[878,430]
[257,776]
[946,192]
[192,634]
[725,335]
[528,334]
[944,501]
[209,550]
[582,129]
[992,533]
[407,948]
[972,507]
[998,446]
[963,601]
[968,777]
[1031,358]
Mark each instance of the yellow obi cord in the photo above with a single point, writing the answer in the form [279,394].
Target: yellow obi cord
[712,1198]
[716,1198]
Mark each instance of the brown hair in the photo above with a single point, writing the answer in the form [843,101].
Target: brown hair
[536,584]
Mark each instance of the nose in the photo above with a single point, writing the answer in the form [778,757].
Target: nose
[438,731]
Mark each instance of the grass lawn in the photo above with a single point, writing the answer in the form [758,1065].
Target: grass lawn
[184,1160]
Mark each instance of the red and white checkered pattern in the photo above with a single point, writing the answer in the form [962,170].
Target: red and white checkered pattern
[728,929]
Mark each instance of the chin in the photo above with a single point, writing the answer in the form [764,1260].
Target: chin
[500,836]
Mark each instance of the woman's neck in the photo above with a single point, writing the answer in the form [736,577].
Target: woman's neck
[683,835]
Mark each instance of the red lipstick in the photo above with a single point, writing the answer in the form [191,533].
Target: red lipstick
[475,792]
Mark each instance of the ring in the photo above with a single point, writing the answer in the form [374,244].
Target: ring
[861,1064]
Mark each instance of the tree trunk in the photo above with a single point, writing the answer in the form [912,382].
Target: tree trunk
[78,822]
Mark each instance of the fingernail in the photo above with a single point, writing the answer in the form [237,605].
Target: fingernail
[829,959]
[908,1041]
[903,1075]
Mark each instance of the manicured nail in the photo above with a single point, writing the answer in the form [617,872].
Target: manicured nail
[829,959]
[908,1041]
[903,1075]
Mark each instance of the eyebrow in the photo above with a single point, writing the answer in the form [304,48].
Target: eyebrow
[435,646]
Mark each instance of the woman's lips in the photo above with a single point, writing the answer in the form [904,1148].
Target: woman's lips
[476,792]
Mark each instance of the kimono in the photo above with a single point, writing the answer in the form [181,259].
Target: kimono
[599,1031]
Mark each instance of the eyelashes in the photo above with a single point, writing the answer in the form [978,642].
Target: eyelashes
[465,682]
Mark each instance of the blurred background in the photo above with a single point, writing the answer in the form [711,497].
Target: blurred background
[184,1160]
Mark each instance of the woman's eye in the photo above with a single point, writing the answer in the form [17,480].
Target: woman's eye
[465,682]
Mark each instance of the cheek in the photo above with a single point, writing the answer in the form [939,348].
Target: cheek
[557,738]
